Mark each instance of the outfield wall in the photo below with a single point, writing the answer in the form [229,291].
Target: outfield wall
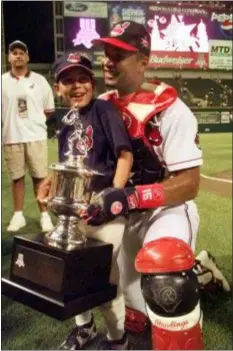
[214,120]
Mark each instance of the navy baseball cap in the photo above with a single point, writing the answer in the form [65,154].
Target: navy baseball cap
[128,35]
[71,59]
[18,44]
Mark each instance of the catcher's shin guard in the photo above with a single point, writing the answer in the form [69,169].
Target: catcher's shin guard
[135,321]
[171,291]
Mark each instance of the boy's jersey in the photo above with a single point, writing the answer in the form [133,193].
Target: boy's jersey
[102,137]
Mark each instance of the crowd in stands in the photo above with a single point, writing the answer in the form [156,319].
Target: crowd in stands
[201,92]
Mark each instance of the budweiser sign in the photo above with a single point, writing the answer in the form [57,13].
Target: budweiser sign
[177,59]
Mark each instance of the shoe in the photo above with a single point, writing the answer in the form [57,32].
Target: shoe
[209,274]
[80,336]
[45,222]
[17,221]
[121,344]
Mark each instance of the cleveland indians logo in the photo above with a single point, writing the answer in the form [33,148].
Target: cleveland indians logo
[80,139]
[145,42]
[85,143]
[119,29]
[74,57]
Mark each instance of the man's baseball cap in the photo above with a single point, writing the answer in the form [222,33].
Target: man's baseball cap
[128,35]
[69,60]
[18,44]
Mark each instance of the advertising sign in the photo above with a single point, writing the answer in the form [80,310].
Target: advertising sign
[208,117]
[163,59]
[220,26]
[225,117]
[85,9]
[79,32]
[182,29]
[220,54]
[126,12]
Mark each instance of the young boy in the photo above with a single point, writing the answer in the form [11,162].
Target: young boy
[99,134]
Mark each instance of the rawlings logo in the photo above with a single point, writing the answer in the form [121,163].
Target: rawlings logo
[132,201]
[74,57]
[173,325]
[116,207]
[119,29]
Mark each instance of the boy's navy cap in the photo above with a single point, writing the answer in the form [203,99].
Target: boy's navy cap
[128,35]
[18,44]
[71,59]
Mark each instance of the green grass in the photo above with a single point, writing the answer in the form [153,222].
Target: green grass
[25,329]
[217,152]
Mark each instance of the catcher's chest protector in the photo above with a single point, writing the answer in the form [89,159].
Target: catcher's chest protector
[139,114]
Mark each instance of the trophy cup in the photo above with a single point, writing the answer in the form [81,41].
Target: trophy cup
[63,273]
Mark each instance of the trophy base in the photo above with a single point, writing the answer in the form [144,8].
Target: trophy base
[50,305]
[58,282]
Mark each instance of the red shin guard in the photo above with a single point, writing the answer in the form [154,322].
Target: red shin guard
[190,339]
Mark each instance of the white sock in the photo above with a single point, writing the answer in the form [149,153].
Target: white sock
[18,213]
[83,318]
[44,214]
[116,336]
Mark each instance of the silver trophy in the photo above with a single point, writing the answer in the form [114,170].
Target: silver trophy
[62,273]
[70,191]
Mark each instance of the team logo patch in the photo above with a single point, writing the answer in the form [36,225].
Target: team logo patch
[119,29]
[155,137]
[116,208]
[74,57]
[20,261]
[197,141]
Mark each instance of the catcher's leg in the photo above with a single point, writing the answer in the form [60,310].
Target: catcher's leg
[136,319]
[171,291]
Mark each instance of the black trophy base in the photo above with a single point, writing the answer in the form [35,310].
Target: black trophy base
[58,282]
[53,307]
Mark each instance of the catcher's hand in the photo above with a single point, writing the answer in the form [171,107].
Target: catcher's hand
[111,203]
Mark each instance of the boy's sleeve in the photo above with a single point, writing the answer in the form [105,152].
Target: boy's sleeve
[114,128]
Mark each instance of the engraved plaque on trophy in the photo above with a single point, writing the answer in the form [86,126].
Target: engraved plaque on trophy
[62,273]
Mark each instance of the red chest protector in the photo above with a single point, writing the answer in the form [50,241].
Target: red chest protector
[140,107]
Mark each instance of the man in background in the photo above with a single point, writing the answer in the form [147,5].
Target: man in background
[27,101]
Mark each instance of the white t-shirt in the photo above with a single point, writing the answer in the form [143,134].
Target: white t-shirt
[24,103]
[179,148]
